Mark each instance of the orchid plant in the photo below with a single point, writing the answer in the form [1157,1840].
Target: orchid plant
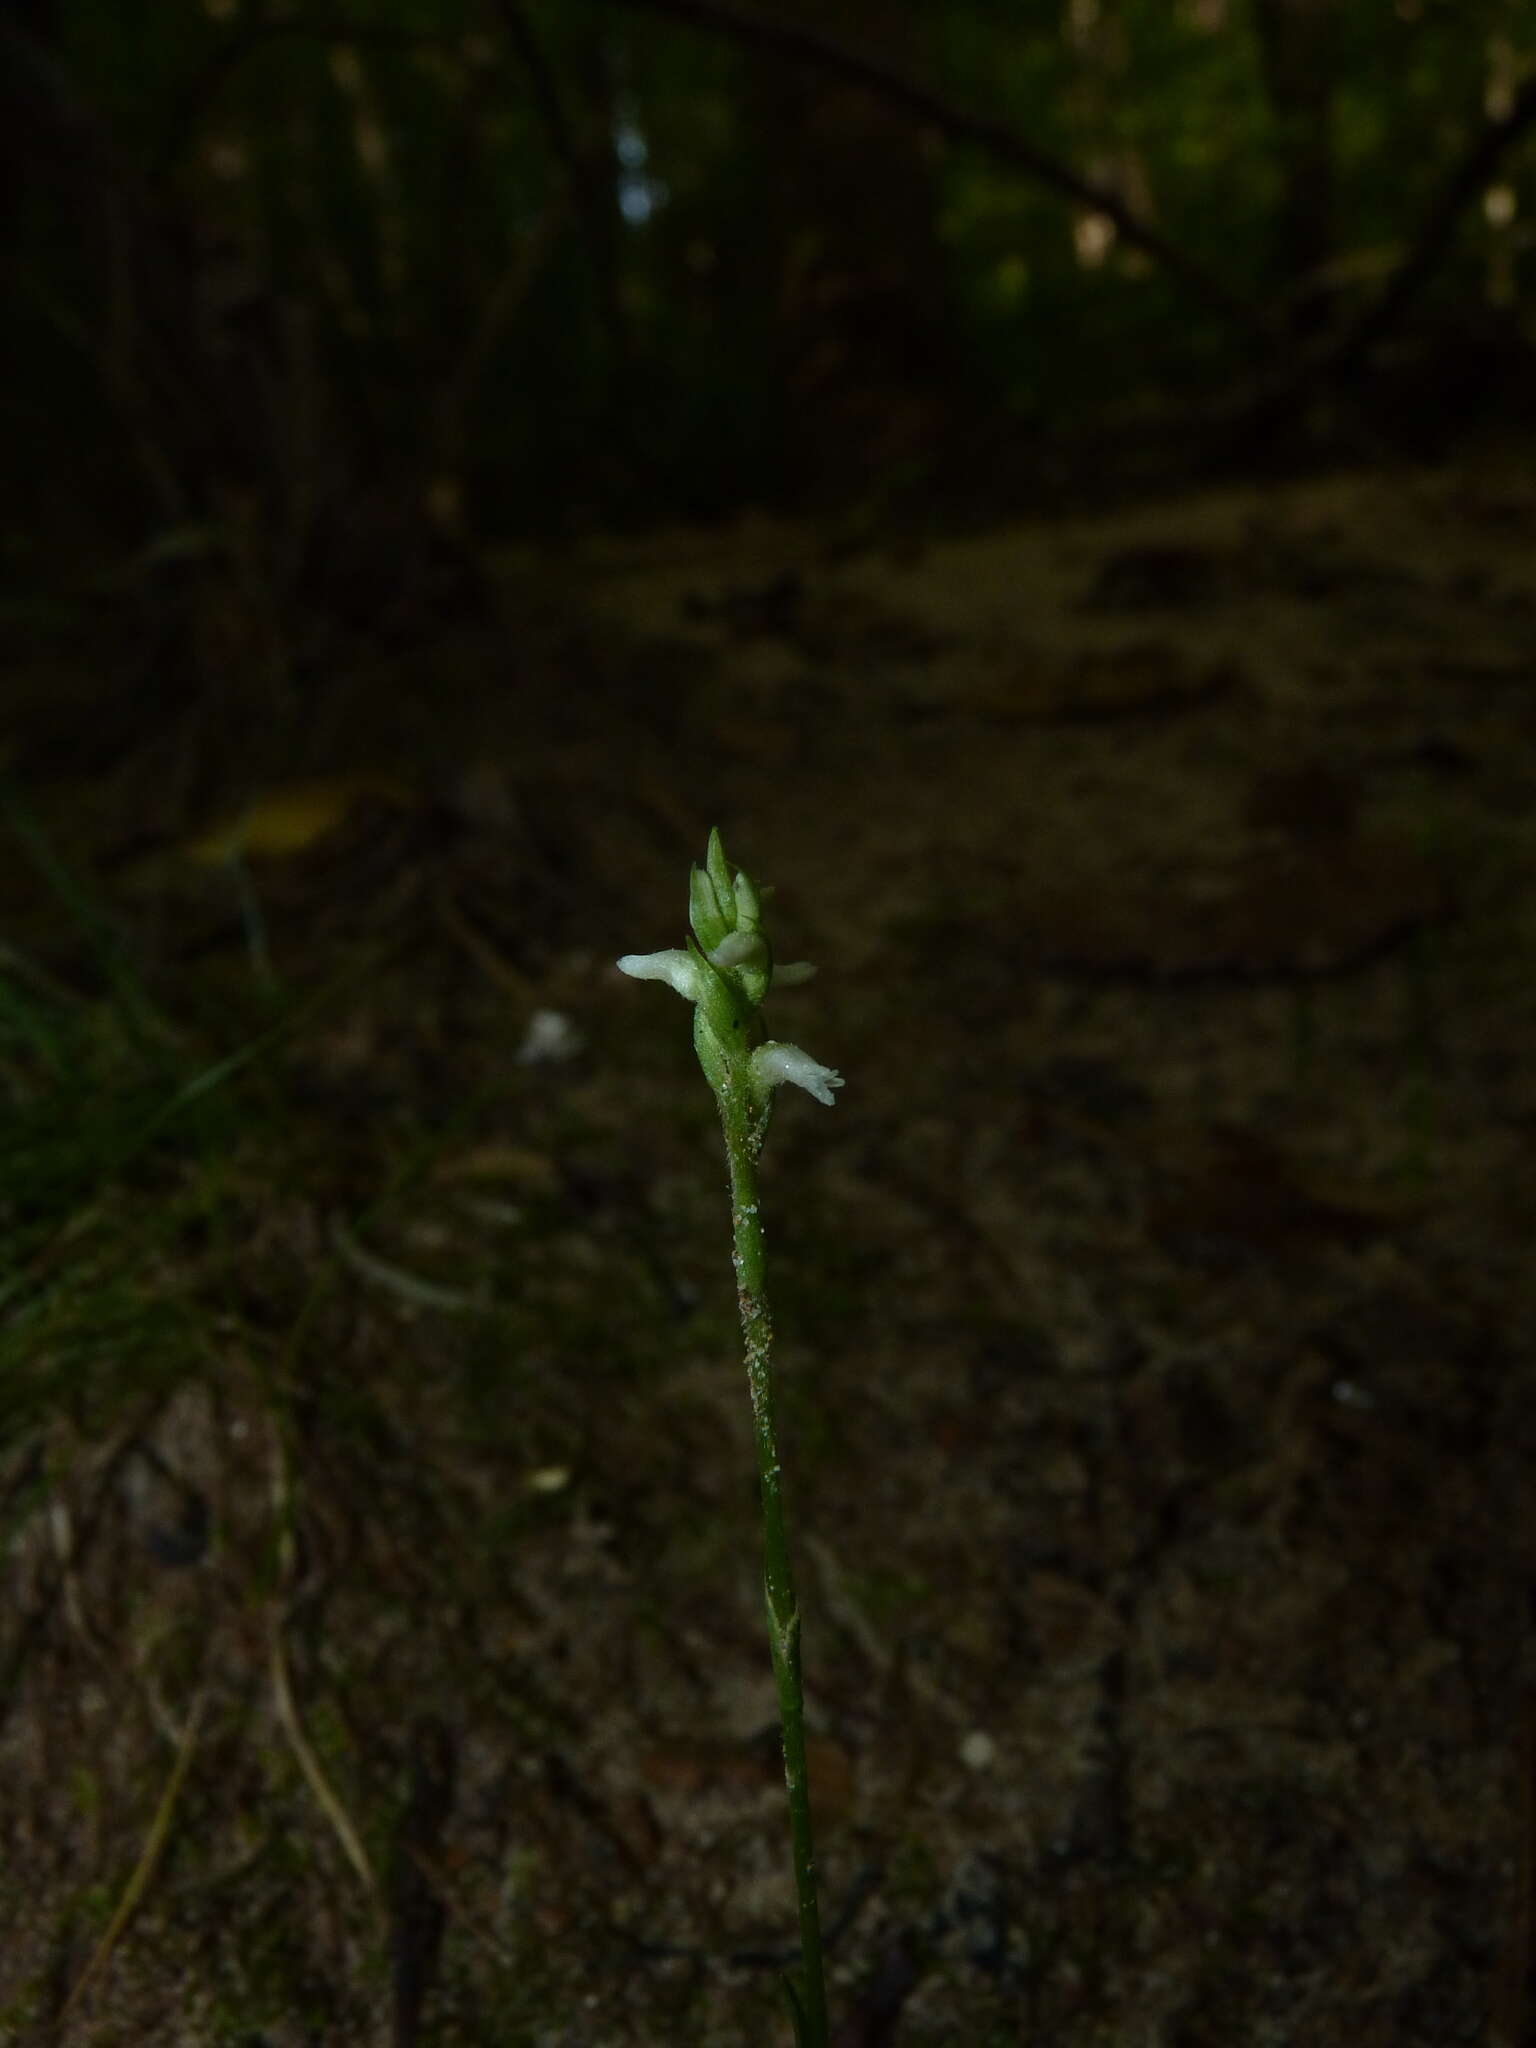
[726,972]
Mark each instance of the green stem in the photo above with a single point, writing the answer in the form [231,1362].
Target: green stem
[744,1128]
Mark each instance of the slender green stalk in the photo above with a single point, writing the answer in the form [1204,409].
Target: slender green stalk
[810,2007]
[725,974]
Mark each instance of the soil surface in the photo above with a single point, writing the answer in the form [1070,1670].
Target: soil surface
[383,1633]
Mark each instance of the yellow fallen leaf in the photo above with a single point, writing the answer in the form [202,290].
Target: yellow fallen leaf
[549,1479]
[285,821]
[529,1171]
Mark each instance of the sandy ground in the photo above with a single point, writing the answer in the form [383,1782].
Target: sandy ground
[1155,1317]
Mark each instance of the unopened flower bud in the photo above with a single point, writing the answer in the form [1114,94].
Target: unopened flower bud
[709,923]
[749,909]
[719,871]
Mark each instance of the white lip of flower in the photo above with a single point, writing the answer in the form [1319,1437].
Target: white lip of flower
[674,966]
[681,970]
[740,949]
[776,1062]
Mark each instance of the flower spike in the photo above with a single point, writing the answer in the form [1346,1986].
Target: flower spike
[726,972]
[727,979]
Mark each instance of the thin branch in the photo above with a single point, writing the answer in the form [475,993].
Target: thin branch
[752,30]
[1438,233]
[809,45]
[230,52]
[149,1858]
[314,1776]
[1282,388]
[586,187]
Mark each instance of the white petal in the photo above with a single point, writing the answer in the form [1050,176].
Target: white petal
[792,973]
[740,949]
[776,1062]
[674,965]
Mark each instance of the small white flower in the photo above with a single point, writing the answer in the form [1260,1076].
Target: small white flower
[776,1062]
[740,949]
[674,965]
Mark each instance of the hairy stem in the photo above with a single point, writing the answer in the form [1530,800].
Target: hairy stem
[743,1128]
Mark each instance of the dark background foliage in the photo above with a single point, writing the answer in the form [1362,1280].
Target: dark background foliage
[507,266]
[1053,483]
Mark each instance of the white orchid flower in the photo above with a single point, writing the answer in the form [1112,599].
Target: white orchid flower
[674,966]
[776,1062]
[740,949]
[726,979]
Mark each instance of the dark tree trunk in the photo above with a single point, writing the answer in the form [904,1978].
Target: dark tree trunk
[866,349]
[1297,44]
